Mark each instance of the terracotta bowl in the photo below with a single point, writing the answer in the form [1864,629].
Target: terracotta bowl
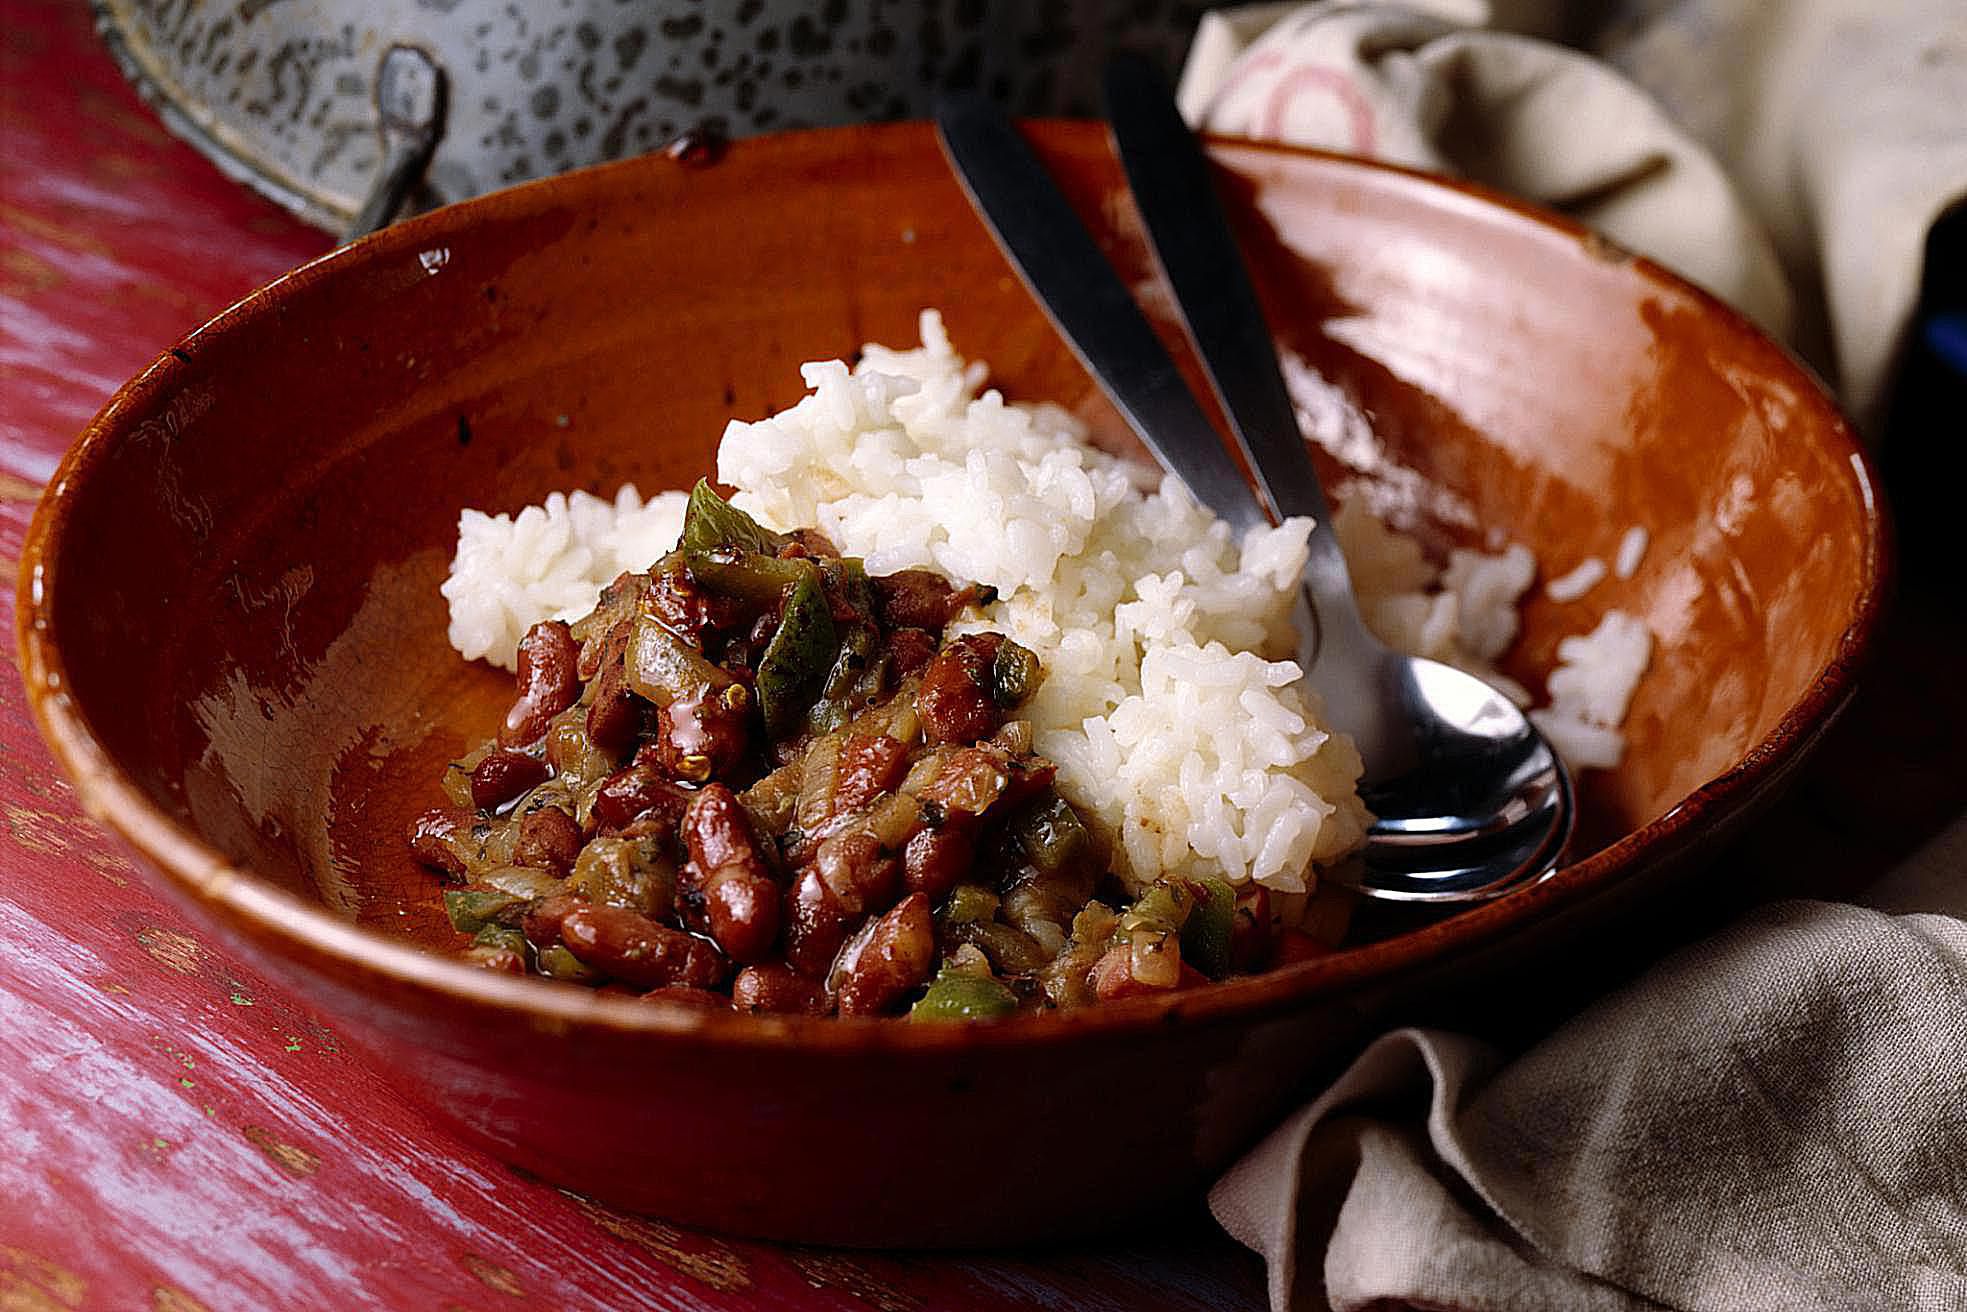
[231,630]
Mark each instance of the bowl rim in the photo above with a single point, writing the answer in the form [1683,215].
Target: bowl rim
[317,943]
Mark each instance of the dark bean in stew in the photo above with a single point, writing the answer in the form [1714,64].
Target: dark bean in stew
[637,791]
[729,872]
[503,775]
[543,919]
[924,599]
[549,682]
[956,701]
[614,716]
[776,988]
[705,736]
[910,650]
[869,765]
[816,924]
[549,839]
[935,860]
[630,947]
[897,959]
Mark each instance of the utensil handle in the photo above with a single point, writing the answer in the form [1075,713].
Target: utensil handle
[412,99]
[1086,301]
[1190,234]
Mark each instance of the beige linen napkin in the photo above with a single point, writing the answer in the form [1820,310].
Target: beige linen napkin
[1773,1119]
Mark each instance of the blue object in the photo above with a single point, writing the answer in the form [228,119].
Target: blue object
[1945,335]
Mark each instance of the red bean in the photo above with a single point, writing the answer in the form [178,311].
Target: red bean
[728,871]
[849,878]
[935,860]
[815,923]
[987,781]
[504,775]
[549,839]
[687,610]
[544,918]
[809,542]
[924,599]
[909,650]
[630,947]
[861,877]
[618,601]
[913,598]
[433,840]
[699,738]
[776,988]
[638,791]
[549,682]
[896,960]
[955,701]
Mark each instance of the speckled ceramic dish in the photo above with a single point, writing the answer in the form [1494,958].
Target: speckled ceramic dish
[231,631]
[284,97]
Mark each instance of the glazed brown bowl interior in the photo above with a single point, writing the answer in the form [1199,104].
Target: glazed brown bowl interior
[233,634]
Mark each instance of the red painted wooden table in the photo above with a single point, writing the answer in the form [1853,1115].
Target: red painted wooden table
[175,1133]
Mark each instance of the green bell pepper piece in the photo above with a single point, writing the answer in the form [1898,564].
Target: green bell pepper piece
[498,936]
[710,522]
[969,902]
[1014,675]
[747,575]
[472,909]
[956,995]
[1205,934]
[1051,834]
[797,657]
[558,963]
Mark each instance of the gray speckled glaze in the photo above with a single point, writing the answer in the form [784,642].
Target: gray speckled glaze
[281,93]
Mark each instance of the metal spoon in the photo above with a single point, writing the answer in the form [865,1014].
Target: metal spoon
[1470,800]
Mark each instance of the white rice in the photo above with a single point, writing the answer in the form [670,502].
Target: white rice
[1175,730]
[1586,575]
[550,562]
[1632,550]
[1591,689]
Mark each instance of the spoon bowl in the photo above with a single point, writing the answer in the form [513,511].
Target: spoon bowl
[1468,798]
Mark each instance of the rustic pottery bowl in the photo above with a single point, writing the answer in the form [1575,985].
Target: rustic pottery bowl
[231,630]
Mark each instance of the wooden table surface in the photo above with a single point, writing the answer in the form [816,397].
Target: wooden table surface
[177,1134]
